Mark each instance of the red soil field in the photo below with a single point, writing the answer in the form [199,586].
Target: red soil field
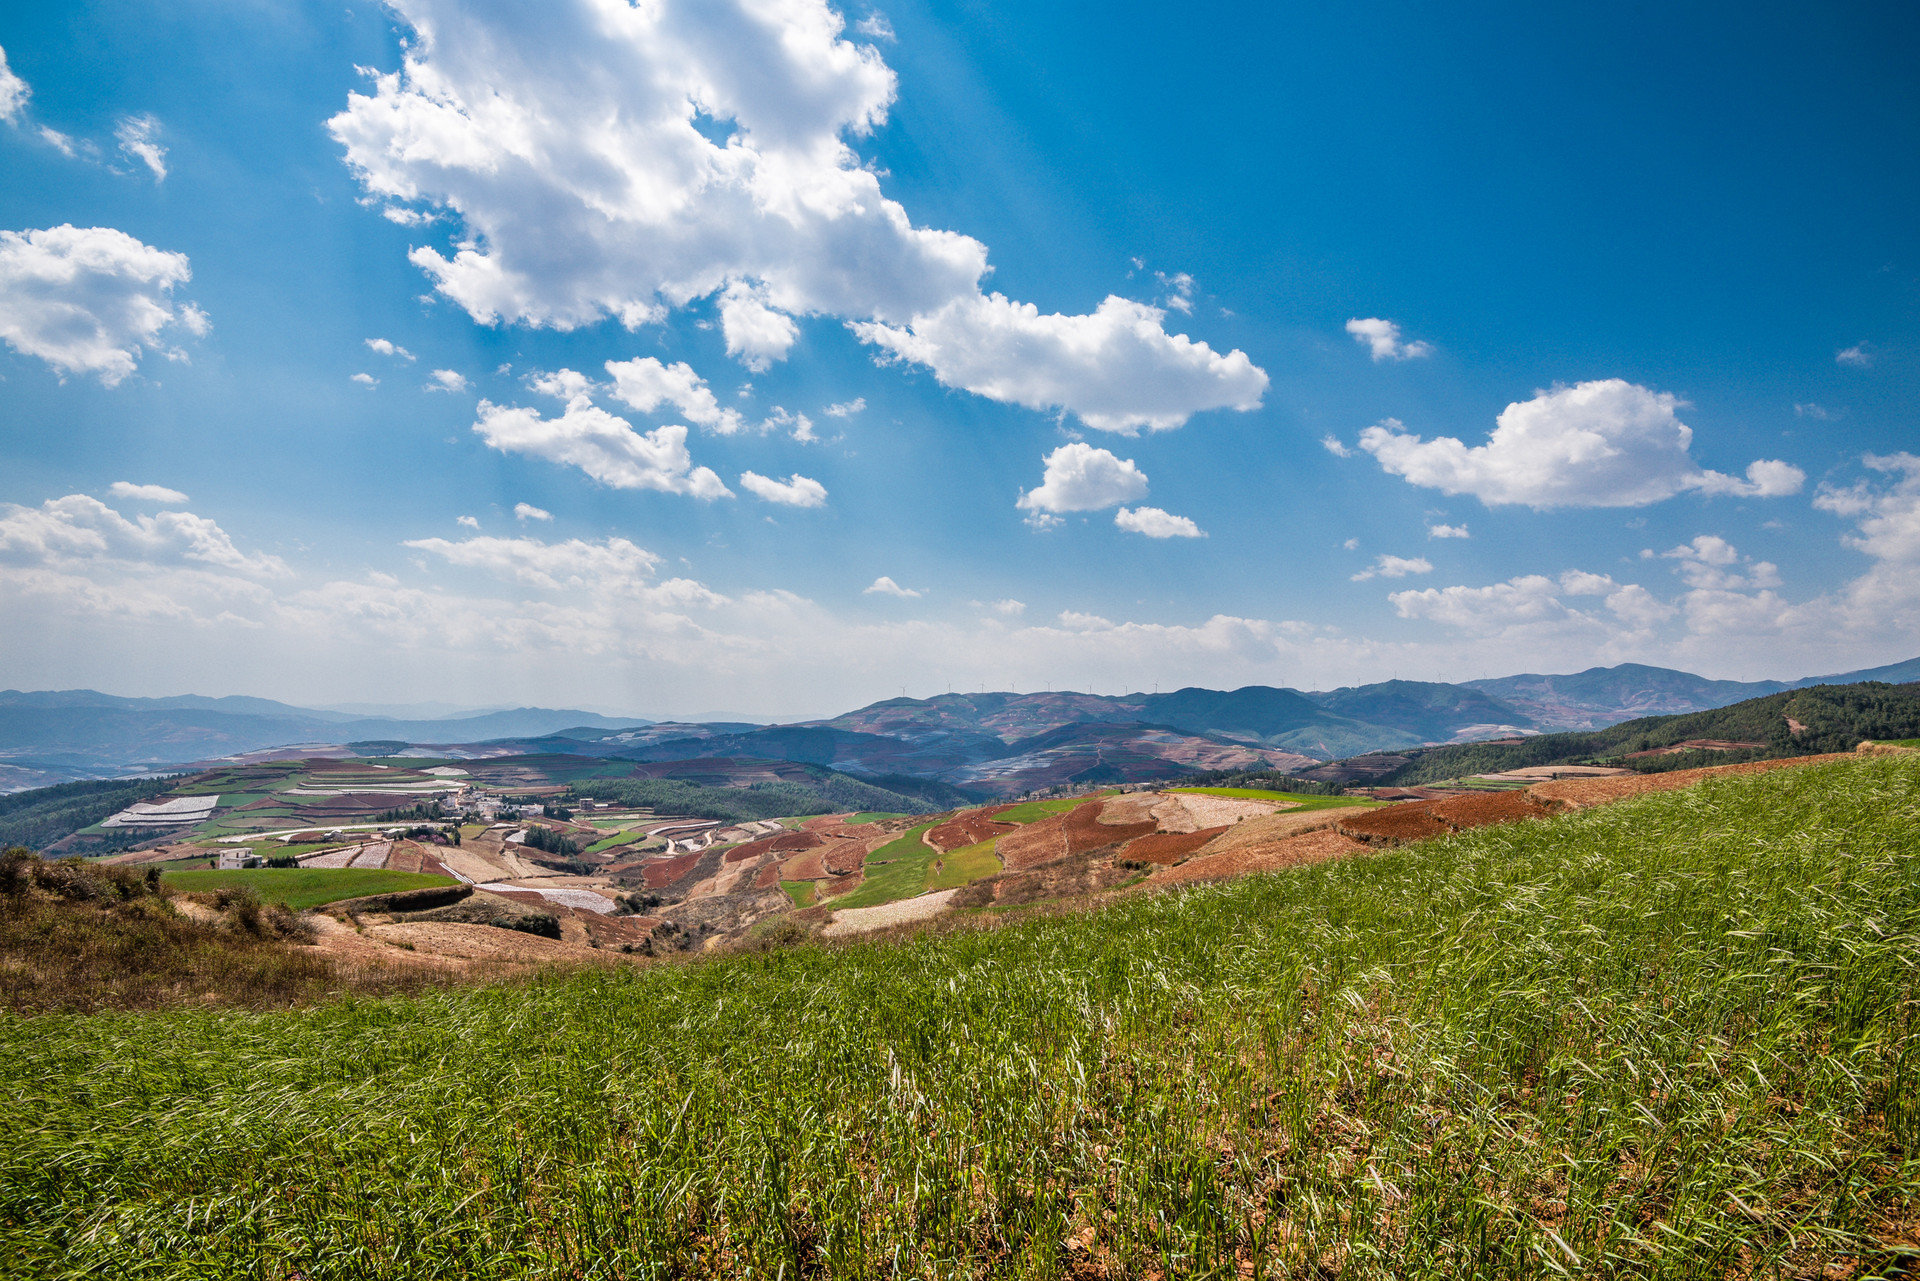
[1302,850]
[846,858]
[1489,807]
[768,877]
[1038,843]
[1167,848]
[967,829]
[1419,820]
[1412,821]
[1085,831]
[662,872]
[406,857]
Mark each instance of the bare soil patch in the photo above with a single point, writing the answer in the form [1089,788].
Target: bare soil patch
[1084,831]
[1167,848]
[1301,850]
[1188,813]
[968,829]
[858,920]
[1037,843]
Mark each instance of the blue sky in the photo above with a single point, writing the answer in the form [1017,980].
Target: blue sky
[799,355]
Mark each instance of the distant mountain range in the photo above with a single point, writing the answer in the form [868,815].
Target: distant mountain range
[993,744]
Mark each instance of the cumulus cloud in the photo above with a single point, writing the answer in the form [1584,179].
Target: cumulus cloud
[1858,356]
[138,138]
[624,161]
[1447,531]
[78,528]
[1888,516]
[1382,339]
[603,445]
[795,491]
[147,493]
[1528,599]
[1711,563]
[527,511]
[884,586]
[1082,478]
[1333,445]
[1155,523]
[846,408]
[90,300]
[13,92]
[388,348]
[468,522]
[1608,443]
[1385,566]
[449,380]
[1008,607]
[646,384]
[365,380]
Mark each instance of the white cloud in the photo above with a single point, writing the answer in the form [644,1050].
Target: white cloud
[90,300]
[1075,621]
[1708,564]
[1332,445]
[77,528]
[1008,608]
[1382,339]
[1179,295]
[1607,443]
[613,564]
[365,380]
[1528,599]
[1081,478]
[468,522]
[846,408]
[1155,523]
[1447,531]
[621,161]
[1116,369]
[1385,566]
[603,445]
[1887,597]
[147,493]
[58,141]
[387,348]
[1858,356]
[1352,544]
[875,27]
[138,136]
[795,491]
[884,586]
[1815,411]
[798,425]
[13,91]
[449,380]
[646,384]
[527,511]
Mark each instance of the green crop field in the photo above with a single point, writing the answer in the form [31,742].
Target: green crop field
[873,816]
[1298,800]
[896,870]
[636,837]
[301,888]
[964,866]
[801,892]
[1666,1039]
[1034,811]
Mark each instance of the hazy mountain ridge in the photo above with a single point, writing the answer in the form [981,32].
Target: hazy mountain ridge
[989,740]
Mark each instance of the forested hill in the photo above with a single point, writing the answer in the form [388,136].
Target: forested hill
[1825,718]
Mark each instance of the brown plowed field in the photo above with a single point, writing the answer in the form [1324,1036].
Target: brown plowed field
[846,857]
[1579,793]
[1302,850]
[1038,843]
[768,877]
[1408,821]
[835,888]
[1085,831]
[662,872]
[406,857]
[811,865]
[968,829]
[1489,807]
[1167,848]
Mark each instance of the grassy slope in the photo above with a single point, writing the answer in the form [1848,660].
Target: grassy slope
[1663,1039]
[896,870]
[304,887]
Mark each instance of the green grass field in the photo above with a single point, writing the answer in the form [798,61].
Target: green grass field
[303,887]
[873,816]
[1299,800]
[801,892]
[1034,811]
[635,836]
[896,870]
[1670,1039]
[964,866]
